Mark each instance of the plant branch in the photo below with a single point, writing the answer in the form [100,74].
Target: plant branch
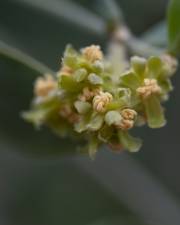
[124,36]
[136,46]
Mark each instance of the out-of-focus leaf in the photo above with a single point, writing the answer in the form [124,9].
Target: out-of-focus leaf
[57,192]
[115,220]
[22,58]
[71,12]
[174,26]
[95,79]
[16,82]
[141,48]
[70,84]
[41,34]
[95,122]
[110,10]
[157,35]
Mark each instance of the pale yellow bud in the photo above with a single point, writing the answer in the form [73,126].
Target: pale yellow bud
[101,100]
[92,53]
[150,87]
[44,85]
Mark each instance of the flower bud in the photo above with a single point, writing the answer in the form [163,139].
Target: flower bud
[82,107]
[94,79]
[113,118]
[80,74]
[92,53]
[98,66]
[101,101]
[44,85]
[149,88]
[138,64]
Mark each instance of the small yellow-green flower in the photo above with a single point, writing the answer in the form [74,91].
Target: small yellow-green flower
[92,101]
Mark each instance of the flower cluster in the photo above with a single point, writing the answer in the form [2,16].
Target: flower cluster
[84,100]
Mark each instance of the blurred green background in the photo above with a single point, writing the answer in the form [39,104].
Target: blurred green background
[49,187]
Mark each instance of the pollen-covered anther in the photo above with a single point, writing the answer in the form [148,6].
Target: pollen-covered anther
[126,124]
[65,70]
[101,100]
[44,85]
[128,119]
[88,94]
[150,87]
[128,114]
[92,53]
[67,113]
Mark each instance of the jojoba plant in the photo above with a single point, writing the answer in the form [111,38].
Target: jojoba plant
[91,100]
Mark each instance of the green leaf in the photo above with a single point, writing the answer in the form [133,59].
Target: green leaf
[98,67]
[82,107]
[80,74]
[130,143]
[68,83]
[124,96]
[81,125]
[35,117]
[113,118]
[95,122]
[95,79]
[22,58]
[111,11]
[138,64]
[174,26]
[166,85]
[130,80]
[157,35]
[154,64]
[154,112]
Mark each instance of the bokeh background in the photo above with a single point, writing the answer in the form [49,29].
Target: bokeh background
[39,184]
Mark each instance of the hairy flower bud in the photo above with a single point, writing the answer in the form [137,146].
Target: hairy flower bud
[44,85]
[150,87]
[88,94]
[101,100]
[65,70]
[128,119]
[129,114]
[92,53]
